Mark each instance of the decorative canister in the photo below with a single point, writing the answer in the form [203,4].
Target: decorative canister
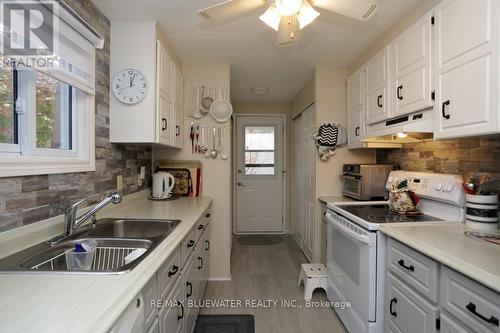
[482,212]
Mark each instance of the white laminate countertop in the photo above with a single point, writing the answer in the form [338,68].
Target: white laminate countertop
[446,243]
[326,199]
[44,302]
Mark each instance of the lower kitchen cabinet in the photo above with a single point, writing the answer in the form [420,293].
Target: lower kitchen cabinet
[178,286]
[423,295]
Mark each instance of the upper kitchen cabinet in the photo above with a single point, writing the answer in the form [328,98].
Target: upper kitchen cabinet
[146,87]
[377,87]
[355,106]
[411,68]
[467,52]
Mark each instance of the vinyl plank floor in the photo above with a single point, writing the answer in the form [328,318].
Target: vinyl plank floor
[270,272]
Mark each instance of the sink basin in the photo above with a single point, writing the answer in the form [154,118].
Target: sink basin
[116,238]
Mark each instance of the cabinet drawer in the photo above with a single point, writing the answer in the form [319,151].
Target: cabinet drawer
[477,306]
[168,273]
[419,271]
[202,223]
[188,244]
[406,311]
[451,325]
[173,312]
[150,295]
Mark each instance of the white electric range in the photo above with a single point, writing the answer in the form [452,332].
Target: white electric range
[357,250]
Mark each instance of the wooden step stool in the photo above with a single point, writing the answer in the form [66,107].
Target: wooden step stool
[314,276]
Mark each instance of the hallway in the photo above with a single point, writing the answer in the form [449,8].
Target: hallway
[269,273]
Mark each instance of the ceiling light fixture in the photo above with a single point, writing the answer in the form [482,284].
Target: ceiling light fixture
[259,91]
[307,14]
[272,17]
[288,7]
[283,14]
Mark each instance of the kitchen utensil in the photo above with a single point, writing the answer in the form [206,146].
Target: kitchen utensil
[197,134]
[163,183]
[191,135]
[197,113]
[203,147]
[219,140]
[206,101]
[223,154]
[221,110]
[213,153]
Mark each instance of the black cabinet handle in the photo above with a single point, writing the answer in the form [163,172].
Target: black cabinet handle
[179,317]
[207,215]
[356,131]
[190,293]
[391,311]
[177,130]
[472,308]
[190,243]
[379,101]
[138,303]
[201,227]
[443,109]
[164,124]
[200,259]
[401,263]
[207,245]
[398,92]
[174,270]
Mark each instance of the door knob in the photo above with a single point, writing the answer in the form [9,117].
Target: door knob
[241,184]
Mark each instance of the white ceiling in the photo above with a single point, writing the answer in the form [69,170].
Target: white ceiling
[250,46]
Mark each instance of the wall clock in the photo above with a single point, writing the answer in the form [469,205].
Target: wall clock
[129,86]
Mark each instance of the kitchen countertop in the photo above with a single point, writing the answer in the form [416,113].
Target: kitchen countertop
[45,302]
[446,243]
[326,199]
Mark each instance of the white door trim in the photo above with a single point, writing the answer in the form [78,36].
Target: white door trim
[284,174]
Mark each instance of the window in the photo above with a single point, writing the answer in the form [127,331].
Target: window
[259,150]
[47,112]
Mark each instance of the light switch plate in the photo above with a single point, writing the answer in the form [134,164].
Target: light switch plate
[119,182]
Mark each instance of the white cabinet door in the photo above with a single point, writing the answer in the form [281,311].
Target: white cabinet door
[355,90]
[377,87]
[411,68]
[189,278]
[407,311]
[178,107]
[173,311]
[164,95]
[466,45]
[355,128]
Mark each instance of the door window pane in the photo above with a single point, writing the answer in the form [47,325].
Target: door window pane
[259,150]
[259,138]
[53,113]
[7,115]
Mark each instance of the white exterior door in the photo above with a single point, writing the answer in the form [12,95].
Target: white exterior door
[259,174]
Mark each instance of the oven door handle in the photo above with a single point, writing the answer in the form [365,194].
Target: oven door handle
[349,233]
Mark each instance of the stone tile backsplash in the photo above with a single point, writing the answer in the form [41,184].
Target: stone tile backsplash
[24,200]
[474,155]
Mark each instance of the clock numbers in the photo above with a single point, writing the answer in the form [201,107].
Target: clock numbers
[130,86]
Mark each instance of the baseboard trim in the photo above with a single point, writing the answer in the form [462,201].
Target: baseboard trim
[220,278]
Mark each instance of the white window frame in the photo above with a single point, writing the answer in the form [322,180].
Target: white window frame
[24,158]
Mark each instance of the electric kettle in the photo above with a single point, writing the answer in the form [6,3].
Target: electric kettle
[163,183]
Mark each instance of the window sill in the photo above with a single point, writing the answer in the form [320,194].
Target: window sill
[42,165]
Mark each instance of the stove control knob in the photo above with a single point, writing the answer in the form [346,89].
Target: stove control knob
[449,187]
[439,186]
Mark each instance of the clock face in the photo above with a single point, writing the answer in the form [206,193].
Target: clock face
[130,86]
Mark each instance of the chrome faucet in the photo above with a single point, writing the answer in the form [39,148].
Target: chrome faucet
[71,222]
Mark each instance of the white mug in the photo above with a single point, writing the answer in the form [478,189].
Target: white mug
[163,183]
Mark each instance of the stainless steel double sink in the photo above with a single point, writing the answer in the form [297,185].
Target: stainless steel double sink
[116,238]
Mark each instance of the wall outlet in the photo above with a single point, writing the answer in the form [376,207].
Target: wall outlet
[119,182]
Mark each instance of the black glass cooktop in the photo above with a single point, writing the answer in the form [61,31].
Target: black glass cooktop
[382,214]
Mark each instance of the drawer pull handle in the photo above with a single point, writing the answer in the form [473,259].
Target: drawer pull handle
[201,227]
[174,270]
[472,308]
[208,215]
[179,317]
[207,247]
[190,293]
[356,131]
[401,263]
[392,312]
[398,92]
[443,110]
[190,243]
[200,259]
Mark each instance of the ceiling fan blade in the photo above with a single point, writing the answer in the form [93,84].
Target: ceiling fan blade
[358,9]
[230,8]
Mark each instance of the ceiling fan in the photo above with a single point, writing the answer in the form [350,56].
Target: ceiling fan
[285,15]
